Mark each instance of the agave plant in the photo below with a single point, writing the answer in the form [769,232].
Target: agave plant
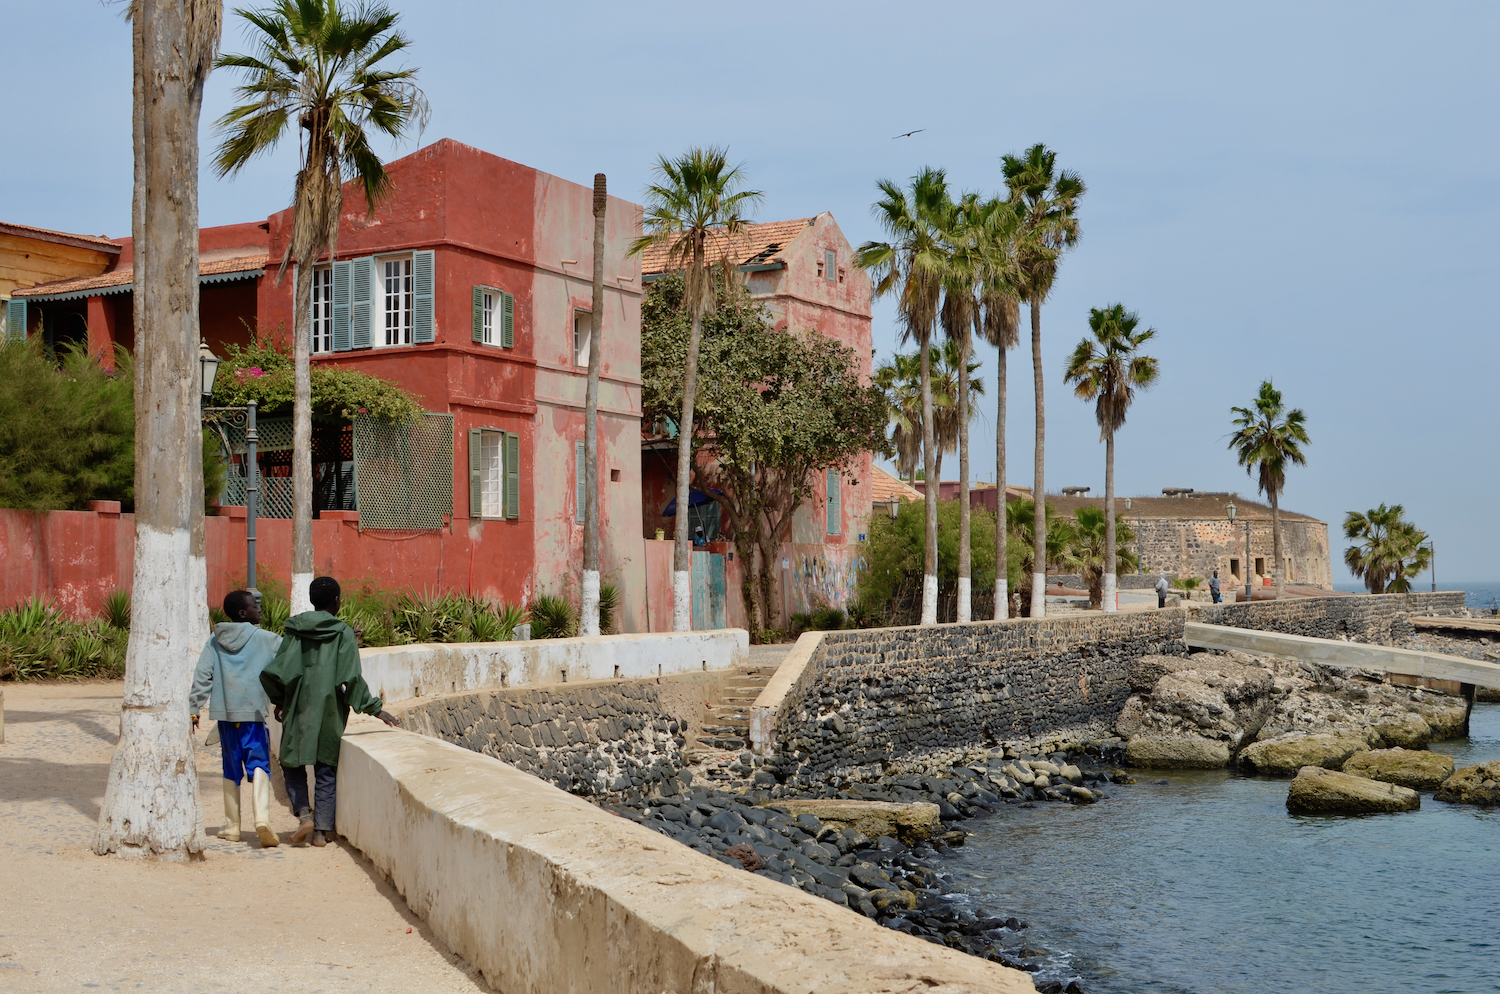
[609,603]
[553,617]
[116,610]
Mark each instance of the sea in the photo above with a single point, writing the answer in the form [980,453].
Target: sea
[1482,595]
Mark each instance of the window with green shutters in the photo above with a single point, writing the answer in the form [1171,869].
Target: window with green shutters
[15,320]
[362,284]
[835,505]
[424,279]
[494,473]
[494,317]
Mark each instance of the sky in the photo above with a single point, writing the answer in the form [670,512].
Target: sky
[1305,193]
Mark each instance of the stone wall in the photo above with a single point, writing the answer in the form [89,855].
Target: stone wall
[1378,618]
[599,739]
[1198,546]
[877,696]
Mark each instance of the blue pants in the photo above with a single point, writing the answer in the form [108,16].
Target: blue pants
[246,748]
[325,778]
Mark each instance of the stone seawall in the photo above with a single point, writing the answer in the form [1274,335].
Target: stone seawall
[1380,618]
[882,696]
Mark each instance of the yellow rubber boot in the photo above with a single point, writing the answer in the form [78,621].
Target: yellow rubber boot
[261,792]
[231,830]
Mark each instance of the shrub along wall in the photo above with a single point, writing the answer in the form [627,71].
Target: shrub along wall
[1380,618]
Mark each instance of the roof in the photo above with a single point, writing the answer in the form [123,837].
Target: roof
[884,486]
[99,243]
[1203,506]
[752,245]
[121,280]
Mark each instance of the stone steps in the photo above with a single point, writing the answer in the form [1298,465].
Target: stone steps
[726,725]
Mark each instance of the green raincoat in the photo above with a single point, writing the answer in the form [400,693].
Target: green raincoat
[315,678]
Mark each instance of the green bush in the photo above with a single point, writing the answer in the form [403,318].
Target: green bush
[37,641]
[895,551]
[609,603]
[261,373]
[553,617]
[381,618]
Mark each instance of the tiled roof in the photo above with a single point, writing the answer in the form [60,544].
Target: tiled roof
[101,243]
[80,285]
[752,245]
[884,486]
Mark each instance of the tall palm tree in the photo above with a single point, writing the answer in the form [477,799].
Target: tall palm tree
[150,803]
[1090,548]
[900,377]
[1268,437]
[698,195]
[589,600]
[947,427]
[910,266]
[960,314]
[999,326]
[1390,552]
[319,70]
[1108,371]
[1047,201]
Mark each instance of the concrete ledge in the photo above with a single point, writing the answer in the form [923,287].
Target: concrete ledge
[399,673]
[1360,655]
[763,711]
[543,892]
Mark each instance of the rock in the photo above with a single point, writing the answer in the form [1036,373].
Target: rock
[1473,785]
[746,857]
[1082,795]
[1071,772]
[1414,768]
[893,898]
[1403,731]
[1319,791]
[1286,755]
[1193,752]
[911,823]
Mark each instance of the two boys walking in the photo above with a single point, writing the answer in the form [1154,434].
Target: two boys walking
[311,678]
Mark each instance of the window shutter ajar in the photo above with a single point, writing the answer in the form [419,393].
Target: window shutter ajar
[476,475]
[361,301]
[15,320]
[342,339]
[422,294]
[512,475]
[835,512]
[479,314]
[508,332]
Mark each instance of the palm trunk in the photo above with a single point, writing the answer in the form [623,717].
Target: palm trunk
[590,600]
[1002,549]
[1111,599]
[1277,569]
[151,794]
[965,568]
[302,546]
[682,583]
[930,491]
[1039,491]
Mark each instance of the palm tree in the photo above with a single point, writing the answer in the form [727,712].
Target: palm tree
[911,266]
[960,314]
[318,71]
[1090,542]
[1391,550]
[1056,538]
[698,195]
[947,425]
[1108,370]
[589,599]
[151,794]
[1047,201]
[1269,437]
[901,378]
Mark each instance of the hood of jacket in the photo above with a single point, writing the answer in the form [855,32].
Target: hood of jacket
[317,626]
[232,636]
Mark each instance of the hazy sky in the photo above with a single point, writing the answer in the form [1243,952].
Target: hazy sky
[1296,191]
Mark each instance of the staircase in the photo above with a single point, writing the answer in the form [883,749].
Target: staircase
[726,722]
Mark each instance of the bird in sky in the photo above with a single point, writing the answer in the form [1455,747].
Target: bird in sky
[909,134]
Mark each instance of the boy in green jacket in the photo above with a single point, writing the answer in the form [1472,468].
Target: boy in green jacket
[313,683]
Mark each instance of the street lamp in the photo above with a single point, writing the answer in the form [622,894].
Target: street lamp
[1230,510]
[240,417]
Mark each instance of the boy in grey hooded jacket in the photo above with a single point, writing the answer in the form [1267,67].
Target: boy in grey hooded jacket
[228,680]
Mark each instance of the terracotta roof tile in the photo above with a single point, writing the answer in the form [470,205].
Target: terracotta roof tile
[102,243]
[754,244]
[124,277]
[884,486]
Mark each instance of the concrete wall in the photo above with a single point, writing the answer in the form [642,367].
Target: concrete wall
[857,698]
[1382,618]
[543,892]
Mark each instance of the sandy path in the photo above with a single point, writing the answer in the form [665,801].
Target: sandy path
[289,918]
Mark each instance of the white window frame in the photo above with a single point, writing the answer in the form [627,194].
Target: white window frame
[581,337]
[493,303]
[492,473]
[322,310]
[404,299]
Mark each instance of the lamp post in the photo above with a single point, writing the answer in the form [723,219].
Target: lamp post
[240,417]
[1230,510]
[1432,564]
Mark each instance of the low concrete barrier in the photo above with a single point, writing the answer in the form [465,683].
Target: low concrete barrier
[399,673]
[543,892]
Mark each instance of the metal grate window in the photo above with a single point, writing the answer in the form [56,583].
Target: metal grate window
[404,472]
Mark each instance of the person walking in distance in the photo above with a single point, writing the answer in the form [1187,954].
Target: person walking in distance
[1162,586]
[1213,586]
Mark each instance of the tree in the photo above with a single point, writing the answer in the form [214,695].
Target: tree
[1390,552]
[948,426]
[1056,538]
[960,314]
[1088,542]
[698,195]
[318,70]
[1047,204]
[589,602]
[900,377]
[1268,437]
[1108,371]
[894,554]
[775,408]
[911,266]
[151,795]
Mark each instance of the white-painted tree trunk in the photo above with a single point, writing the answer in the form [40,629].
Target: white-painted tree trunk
[1039,595]
[151,806]
[589,617]
[1111,598]
[964,612]
[929,599]
[682,601]
[301,600]
[1002,592]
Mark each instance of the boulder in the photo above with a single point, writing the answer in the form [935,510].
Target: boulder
[1414,768]
[1403,731]
[1285,755]
[1180,752]
[1473,785]
[1328,792]
[911,823]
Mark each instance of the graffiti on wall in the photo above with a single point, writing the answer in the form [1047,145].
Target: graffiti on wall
[827,577]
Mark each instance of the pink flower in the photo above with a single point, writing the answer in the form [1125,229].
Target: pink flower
[363,411]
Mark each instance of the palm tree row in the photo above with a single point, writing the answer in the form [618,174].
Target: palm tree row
[900,378]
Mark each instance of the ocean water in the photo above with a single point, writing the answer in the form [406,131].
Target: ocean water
[1477,594]
[1200,882]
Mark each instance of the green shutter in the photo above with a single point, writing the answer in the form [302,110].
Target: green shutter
[508,330]
[512,475]
[835,509]
[422,293]
[580,485]
[476,474]
[479,314]
[15,319]
[341,335]
[362,284]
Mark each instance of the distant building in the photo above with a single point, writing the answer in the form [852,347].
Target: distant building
[31,256]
